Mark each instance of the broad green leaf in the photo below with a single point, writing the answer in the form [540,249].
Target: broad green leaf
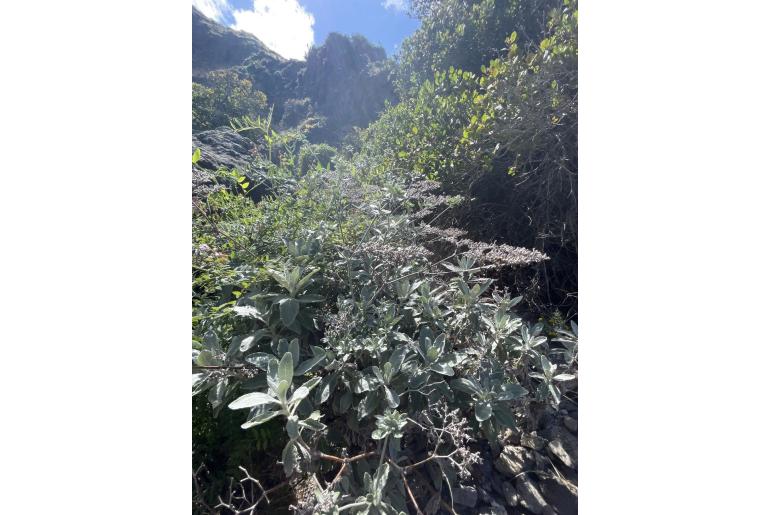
[289,309]
[250,400]
[511,391]
[196,155]
[379,434]
[469,386]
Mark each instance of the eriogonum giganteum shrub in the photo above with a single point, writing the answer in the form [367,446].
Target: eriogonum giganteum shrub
[374,335]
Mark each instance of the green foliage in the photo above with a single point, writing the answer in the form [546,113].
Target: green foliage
[506,137]
[311,156]
[224,95]
[465,34]
[334,309]
[338,317]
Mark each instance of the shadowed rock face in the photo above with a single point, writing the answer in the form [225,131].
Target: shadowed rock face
[220,148]
[345,80]
[215,47]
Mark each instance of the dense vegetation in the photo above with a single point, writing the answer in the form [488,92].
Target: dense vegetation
[387,319]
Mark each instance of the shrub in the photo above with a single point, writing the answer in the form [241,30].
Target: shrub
[376,339]
[311,156]
[224,95]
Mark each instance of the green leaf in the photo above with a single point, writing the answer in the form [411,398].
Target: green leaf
[196,155]
[511,391]
[286,368]
[310,297]
[292,427]
[250,400]
[504,416]
[483,411]
[379,434]
[391,397]
[294,349]
[367,405]
[289,458]
[260,419]
[318,356]
[289,309]
[469,386]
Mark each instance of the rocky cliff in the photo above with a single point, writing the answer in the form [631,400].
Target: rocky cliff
[345,82]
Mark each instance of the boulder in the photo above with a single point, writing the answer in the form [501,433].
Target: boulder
[513,460]
[511,497]
[530,495]
[220,148]
[533,441]
[571,424]
[564,447]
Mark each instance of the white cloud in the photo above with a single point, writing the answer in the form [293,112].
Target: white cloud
[214,9]
[398,5]
[283,25]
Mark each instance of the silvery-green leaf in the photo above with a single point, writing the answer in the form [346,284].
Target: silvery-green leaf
[469,386]
[483,411]
[260,419]
[246,311]
[504,416]
[289,309]
[250,400]
[283,387]
[328,384]
[199,382]
[313,425]
[207,359]
[379,434]
[378,374]
[564,377]
[318,356]
[211,342]
[289,458]
[292,427]
[310,297]
[391,397]
[368,404]
[286,368]
[442,368]
[511,391]
[418,380]
[294,349]
[398,357]
[259,360]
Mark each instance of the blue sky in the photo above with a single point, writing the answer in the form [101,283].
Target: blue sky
[291,27]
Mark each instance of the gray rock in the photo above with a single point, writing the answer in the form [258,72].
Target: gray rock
[222,147]
[513,460]
[511,497]
[465,496]
[531,498]
[533,441]
[571,424]
[565,448]
[560,494]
